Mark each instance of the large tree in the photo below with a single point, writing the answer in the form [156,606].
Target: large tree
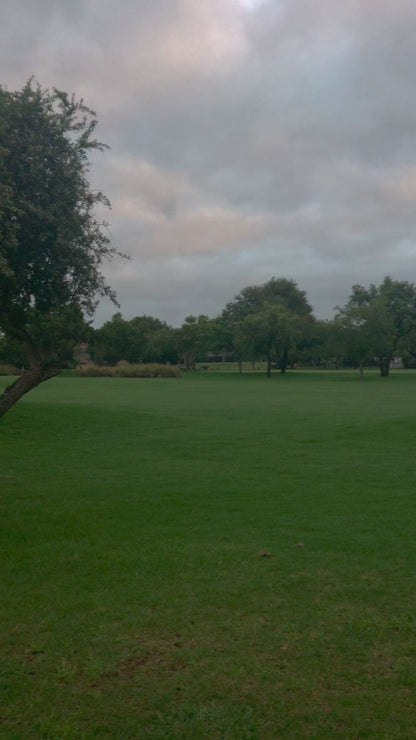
[270,334]
[380,321]
[195,339]
[288,300]
[51,243]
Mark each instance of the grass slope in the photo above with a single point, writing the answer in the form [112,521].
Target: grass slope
[135,601]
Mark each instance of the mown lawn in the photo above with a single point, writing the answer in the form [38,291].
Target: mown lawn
[210,557]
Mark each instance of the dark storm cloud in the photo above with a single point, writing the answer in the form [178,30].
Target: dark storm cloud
[248,139]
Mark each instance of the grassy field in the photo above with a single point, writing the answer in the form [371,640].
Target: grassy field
[209,557]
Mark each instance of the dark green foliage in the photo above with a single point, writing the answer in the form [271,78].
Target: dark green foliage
[138,340]
[268,321]
[195,339]
[277,291]
[269,333]
[162,345]
[379,322]
[51,245]
[117,340]
[11,351]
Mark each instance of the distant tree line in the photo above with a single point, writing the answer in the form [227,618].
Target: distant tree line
[272,322]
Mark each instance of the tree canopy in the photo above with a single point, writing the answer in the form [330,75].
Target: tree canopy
[268,320]
[51,243]
[380,321]
[142,339]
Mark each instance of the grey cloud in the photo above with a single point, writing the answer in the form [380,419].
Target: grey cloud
[246,142]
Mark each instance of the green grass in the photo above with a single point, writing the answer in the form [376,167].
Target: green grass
[135,601]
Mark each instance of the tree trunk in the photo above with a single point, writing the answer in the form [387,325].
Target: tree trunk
[269,367]
[283,361]
[25,383]
[384,365]
[361,371]
[240,366]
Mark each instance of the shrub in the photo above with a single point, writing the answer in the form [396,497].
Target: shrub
[129,371]
[9,370]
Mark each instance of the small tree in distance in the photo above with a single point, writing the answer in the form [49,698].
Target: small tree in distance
[268,321]
[380,321]
[51,244]
[269,333]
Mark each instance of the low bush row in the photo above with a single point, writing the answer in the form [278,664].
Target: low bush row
[9,370]
[129,371]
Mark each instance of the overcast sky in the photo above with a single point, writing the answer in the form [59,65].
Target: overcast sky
[249,139]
